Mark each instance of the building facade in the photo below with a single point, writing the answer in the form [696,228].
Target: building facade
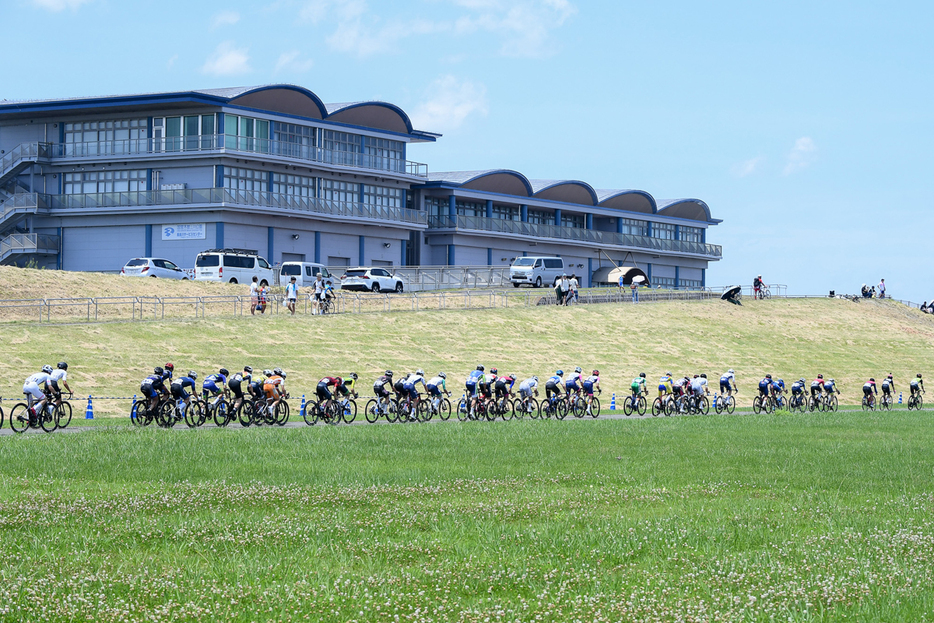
[86,184]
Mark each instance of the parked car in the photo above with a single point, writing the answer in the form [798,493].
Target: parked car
[305,273]
[233,266]
[536,271]
[371,280]
[152,267]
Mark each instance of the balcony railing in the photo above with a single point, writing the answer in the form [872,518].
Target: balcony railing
[235,198]
[537,230]
[224,143]
[28,243]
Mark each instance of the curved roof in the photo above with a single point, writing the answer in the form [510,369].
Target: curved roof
[504,181]
[373,114]
[567,191]
[628,200]
[693,209]
[287,98]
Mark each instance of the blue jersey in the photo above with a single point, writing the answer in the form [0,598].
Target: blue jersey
[556,380]
[154,381]
[475,377]
[185,381]
[214,379]
[764,383]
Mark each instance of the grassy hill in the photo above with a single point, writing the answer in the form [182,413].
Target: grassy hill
[788,338]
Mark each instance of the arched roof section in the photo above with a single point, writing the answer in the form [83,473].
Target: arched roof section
[377,115]
[503,181]
[284,98]
[609,275]
[628,200]
[566,191]
[693,209]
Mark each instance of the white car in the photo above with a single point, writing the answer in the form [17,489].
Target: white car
[153,267]
[371,280]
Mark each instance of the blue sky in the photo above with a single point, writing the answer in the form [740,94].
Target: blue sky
[805,126]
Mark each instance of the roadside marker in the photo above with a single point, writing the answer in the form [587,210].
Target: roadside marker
[89,414]
[613,402]
[715,400]
[302,411]
[899,398]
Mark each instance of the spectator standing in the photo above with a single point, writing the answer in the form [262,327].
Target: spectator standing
[757,286]
[261,293]
[573,285]
[565,289]
[620,284]
[635,291]
[291,295]
[559,291]
[254,295]
[882,289]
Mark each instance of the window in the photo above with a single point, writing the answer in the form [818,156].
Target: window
[506,213]
[104,182]
[572,220]
[245,179]
[295,185]
[334,190]
[207,260]
[692,234]
[297,141]
[384,154]
[691,284]
[541,217]
[342,148]
[663,231]
[238,261]
[437,206]
[382,196]
[262,263]
[470,208]
[246,133]
[634,227]
[665,282]
[559,264]
[93,138]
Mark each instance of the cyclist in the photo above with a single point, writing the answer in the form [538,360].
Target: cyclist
[526,388]
[664,385]
[573,382]
[153,386]
[399,387]
[765,386]
[179,385]
[256,384]
[503,386]
[817,387]
[699,387]
[475,379]
[679,387]
[324,393]
[638,387]
[235,384]
[830,387]
[438,385]
[591,383]
[869,388]
[888,386]
[348,386]
[797,390]
[553,385]
[728,383]
[168,372]
[778,388]
[60,375]
[35,387]
[916,385]
[411,388]
[213,385]
[274,388]
[379,388]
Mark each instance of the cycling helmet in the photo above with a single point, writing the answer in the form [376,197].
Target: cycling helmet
[695,376]
[872,380]
[248,369]
[192,375]
[801,380]
[443,375]
[596,373]
[47,369]
[703,375]
[354,376]
[419,372]
[157,371]
[494,371]
[641,375]
[919,375]
[224,372]
[889,376]
[480,368]
[389,373]
[560,373]
[283,376]
[668,374]
[340,381]
[169,366]
[730,371]
[535,378]
[831,381]
[62,365]
[277,371]
[578,369]
[820,376]
[768,376]
[511,377]
[267,372]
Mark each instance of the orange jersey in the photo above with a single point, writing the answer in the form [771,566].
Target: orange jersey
[271,387]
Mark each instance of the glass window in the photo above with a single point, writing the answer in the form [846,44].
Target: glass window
[245,179]
[470,208]
[541,217]
[384,154]
[93,138]
[104,181]
[572,220]
[665,282]
[663,231]
[334,190]
[437,206]
[382,196]
[297,141]
[507,213]
[173,133]
[690,284]
[634,227]
[692,234]
[341,147]
[295,185]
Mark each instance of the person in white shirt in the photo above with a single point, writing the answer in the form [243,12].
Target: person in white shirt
[565,289]
[291,295]
[572,295]
[318,296]
[254,295]
[58,379]
[34,387]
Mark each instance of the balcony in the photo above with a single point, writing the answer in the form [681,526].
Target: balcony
[226,144]
[27,244]
[212,197]
[574,234]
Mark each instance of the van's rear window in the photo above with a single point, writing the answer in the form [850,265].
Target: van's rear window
[291,269]
[207,260]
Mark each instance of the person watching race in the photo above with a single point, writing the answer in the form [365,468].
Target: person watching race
[153,386]
[553,386]
[916,385]
[638,386]
[274,388]
[664,385]
[728,383]
[35,387]
[180,393]
[212,387]
[869,388]
[60,375]
[235,383]
[888,386]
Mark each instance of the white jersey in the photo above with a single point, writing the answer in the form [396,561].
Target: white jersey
[592,379]
[572,378]
[39,378]
[528,385]
[698,385]
[437,381]
[59,375]
[414,379]
[727,377]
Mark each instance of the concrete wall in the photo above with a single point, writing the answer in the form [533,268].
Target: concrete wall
[102,248]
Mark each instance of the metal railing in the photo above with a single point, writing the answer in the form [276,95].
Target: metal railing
[28,243]
[20,156]
[23,203]
[422,278]
[224,143]
[228,197]
[594,236]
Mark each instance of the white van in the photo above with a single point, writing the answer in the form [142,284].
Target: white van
[536,271]
[305,274]
[233,266]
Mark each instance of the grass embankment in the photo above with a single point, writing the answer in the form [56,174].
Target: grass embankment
[818,517]
[787,338]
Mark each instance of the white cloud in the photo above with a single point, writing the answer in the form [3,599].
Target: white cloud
[171,62]
[524,25]
[292,63]
[224,18]
[59,5]
[802,155]
[227,60]
[450,102]
[747,167]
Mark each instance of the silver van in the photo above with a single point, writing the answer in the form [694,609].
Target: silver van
[536,271]
[305,274]
[233,266]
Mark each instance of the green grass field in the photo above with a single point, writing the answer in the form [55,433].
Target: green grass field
[722,518]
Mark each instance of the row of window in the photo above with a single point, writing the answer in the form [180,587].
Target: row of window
[238,178]
[104,182]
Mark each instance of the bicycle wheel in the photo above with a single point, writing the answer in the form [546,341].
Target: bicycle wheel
[561,409]
[767,294]
[64,414]
[887,403]
[282,413]
[718,404]
[595,407]
[658,407]
[334,413]
[444,409]
[243,415]
[579,407]
[423,411]
[136,416]
[165,415]
[865,404]
[48,421]
[669,406]
[832,403]
[350,411]
[627,405]
[462,410]
[731,404]
[704,406]
[371,410]
[19,410]
[919,403]
[221,413]
[757,405]
[1,417]
[642,405]
[311,413]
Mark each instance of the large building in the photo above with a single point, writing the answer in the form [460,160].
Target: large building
[86,184]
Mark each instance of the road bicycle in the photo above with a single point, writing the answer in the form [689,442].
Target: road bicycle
[779,403]
[525,405]
[699,405]
[763,293]
[219,410]
[170,412]
[503,408]
[762,404]
[724,403]
[327,306]
[634,402]
[915,401]
[592,406]
[327,411]
[348,408]
[829,402]
[797,402]
[440,406]
[552,407]
[663,405]
[411,412]
[47,419]
[142,415]
[386,407]
[885,403]
[869,403]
